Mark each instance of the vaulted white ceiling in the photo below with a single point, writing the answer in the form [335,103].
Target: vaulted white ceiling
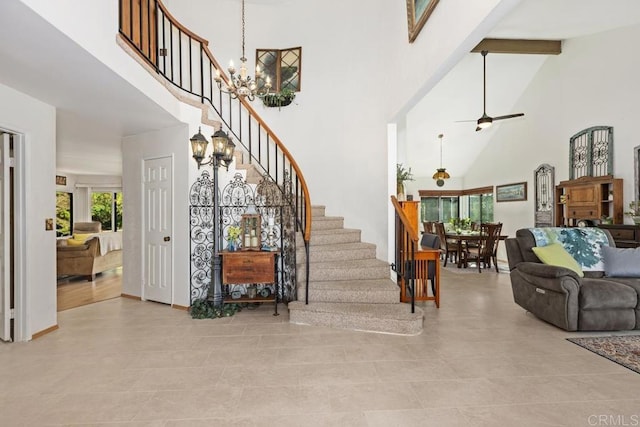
[92,118]
[458,96]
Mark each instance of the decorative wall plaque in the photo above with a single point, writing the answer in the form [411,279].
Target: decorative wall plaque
[544,181]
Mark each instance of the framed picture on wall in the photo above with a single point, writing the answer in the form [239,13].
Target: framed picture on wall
[61,180]
[418,11]
[511,192]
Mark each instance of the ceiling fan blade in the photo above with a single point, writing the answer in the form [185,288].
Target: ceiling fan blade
[485,120]
[508,116]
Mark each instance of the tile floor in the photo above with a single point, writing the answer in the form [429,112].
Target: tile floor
[481,361]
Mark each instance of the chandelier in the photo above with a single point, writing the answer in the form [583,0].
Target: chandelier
[441,173]
[240,84]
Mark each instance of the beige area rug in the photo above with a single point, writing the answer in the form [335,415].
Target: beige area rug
[624,350]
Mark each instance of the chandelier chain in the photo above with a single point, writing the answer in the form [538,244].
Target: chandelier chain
[243,57]
[240,84]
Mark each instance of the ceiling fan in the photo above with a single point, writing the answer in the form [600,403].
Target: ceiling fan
[485,121]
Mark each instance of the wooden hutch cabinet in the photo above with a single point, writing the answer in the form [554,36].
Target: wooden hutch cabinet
[589,198]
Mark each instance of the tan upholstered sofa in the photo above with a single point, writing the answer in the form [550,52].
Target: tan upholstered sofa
[86,259]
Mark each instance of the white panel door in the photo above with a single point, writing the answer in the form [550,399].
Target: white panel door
[158,245]
[5,240]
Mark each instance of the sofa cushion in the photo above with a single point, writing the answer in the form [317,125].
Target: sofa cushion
[621,262]
[598,294]
[76,242]
[82,236]
[555,254]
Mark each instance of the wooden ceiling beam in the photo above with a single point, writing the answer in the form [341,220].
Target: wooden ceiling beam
[522,46]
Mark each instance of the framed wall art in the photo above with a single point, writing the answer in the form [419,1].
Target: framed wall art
[418,11]
[511,192]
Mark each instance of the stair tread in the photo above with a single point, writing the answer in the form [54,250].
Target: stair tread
[387,311]
[341,246]
[334,231]
[353,263]
[327,218]
[372,285]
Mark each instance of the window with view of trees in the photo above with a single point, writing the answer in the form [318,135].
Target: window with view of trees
[106,208]
[441,206]
[64,213]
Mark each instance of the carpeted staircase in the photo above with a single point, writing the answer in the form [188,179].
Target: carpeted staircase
[349,288]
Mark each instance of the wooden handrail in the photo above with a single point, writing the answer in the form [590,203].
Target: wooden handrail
[181,27]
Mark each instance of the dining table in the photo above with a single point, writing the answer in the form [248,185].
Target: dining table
[465,236]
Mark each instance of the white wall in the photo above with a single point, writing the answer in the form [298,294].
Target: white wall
[167,142]
[94,26]
[358,72]
[593,82]
[22,114]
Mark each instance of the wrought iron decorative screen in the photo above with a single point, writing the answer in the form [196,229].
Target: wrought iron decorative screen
[236,198]
[591,152]
[544,184]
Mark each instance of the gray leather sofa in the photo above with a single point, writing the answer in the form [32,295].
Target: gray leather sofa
[559,296]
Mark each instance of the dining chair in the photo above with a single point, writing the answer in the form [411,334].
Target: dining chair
[429,227]
[449,249]
[486,250]
[431,241]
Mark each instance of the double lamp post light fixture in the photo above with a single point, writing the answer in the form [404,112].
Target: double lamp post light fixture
[222,154]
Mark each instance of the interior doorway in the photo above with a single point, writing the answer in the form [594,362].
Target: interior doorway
[100,204]
[13,313]
[158,228]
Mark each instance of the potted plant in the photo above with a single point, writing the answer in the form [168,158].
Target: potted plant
[634,211]
[233,235]
[402,175]
[278,99]
[604,219]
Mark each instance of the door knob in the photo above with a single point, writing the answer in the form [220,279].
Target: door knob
[167,238]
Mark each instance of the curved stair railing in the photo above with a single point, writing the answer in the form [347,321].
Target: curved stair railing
[183,59]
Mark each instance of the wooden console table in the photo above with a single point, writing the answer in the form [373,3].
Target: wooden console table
[250,267]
